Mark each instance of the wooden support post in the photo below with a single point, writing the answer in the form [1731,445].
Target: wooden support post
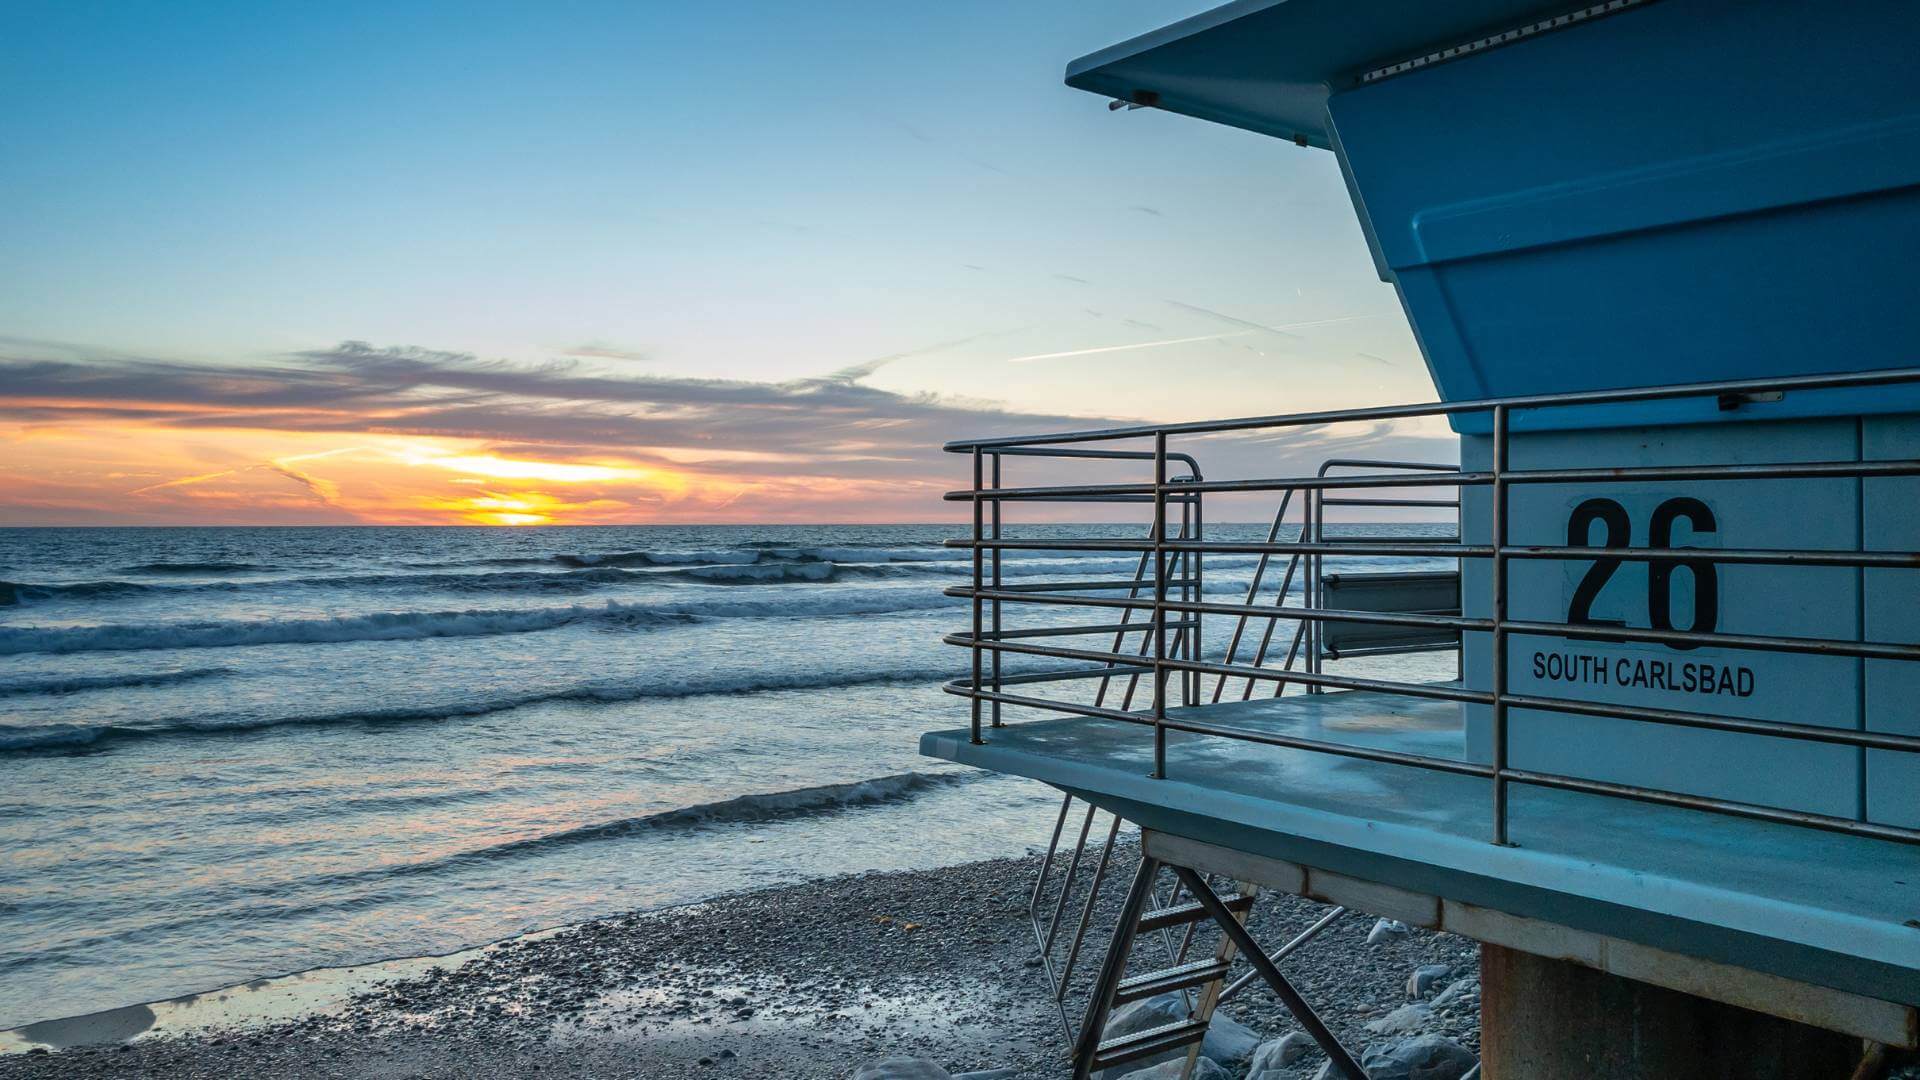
[1546,1019]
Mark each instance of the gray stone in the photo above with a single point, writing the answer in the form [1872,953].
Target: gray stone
[1384,928]
[986,1074]
[1270,1061]
[1427,1057]
[1425,978]
[1227,1039]
[1459,989]
[901,1068]
[1404,1020]
[1203,1069]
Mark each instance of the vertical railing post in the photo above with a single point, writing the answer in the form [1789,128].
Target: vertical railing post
[997,722]
[1198,576]
[1160,605]
[1316,533]
[979,581]
[1498,523]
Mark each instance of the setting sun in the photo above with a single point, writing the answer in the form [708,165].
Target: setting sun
[559,472]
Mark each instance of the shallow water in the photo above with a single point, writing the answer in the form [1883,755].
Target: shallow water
[235,753]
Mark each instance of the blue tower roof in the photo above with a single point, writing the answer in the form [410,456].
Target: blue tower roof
[1631,193]
[1269,65]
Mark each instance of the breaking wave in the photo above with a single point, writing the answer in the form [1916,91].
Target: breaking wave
[195,568]
[53,736]
[590,578]
[383,626]
[78,683]
[745,554]
[742,809]
[772,806]
[20,592]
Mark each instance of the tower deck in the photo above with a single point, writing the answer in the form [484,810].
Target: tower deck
[1813,907]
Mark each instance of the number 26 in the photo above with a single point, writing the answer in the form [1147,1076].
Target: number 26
[1619,528]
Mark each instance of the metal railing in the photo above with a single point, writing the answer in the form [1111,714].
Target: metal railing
[1168,612]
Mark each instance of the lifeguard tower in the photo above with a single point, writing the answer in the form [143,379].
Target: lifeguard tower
[1659,257]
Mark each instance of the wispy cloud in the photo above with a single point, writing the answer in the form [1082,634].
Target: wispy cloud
[596,351]
[1281,329]
[405,433]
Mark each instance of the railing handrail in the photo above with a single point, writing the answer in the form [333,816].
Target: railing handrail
[1170,647]
[1829,381]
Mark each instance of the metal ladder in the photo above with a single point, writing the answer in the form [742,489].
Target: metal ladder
[1156,915]
[1114,987]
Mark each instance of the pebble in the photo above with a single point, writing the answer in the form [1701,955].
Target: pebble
[901,1068]
[1428,1057]
[1203,1069]
[1270,1061]
[1385,928]
[1425,978]
[1402,1021]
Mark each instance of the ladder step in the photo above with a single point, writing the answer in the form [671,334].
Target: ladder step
[1182,914]
[1148,1043]
[1194,973]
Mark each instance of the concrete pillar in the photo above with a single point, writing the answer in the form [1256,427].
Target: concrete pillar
[1543,1019]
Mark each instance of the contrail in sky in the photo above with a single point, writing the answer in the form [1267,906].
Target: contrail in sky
[1284,329]
[1124,348]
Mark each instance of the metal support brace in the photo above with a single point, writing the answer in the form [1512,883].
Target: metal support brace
[1114,967]
[1343,1061]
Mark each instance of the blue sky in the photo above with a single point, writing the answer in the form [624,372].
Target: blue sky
[760,192]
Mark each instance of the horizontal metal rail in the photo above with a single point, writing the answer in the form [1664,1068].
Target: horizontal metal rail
[1807,819]
[1234,547]
[1075,631]
[1812,470]
[1213,487]
[1382,618]
[1866,650]
[1445,504]
[1869,740]
[1265,738]
[1435,691]
[1835,381]
[1412,547]
[1074,586]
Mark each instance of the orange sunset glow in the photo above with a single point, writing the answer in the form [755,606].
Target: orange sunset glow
[358,435]
[158,475]
[362,435]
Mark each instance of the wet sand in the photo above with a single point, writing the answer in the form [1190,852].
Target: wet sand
[799,981]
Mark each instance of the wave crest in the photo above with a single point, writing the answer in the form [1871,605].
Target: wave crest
[57,736]
[741,809]
[78,683]
[194,568]
[381,626]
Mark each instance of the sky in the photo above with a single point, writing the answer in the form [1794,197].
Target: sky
[632,262]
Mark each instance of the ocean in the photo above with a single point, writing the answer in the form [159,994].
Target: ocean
[234,753]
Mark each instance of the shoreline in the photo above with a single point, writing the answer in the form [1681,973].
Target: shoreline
[801,980]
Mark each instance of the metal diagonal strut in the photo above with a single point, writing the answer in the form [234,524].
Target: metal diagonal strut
[1100,1002]
[1342,1061]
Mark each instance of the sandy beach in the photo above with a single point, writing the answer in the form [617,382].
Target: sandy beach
[800,981]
